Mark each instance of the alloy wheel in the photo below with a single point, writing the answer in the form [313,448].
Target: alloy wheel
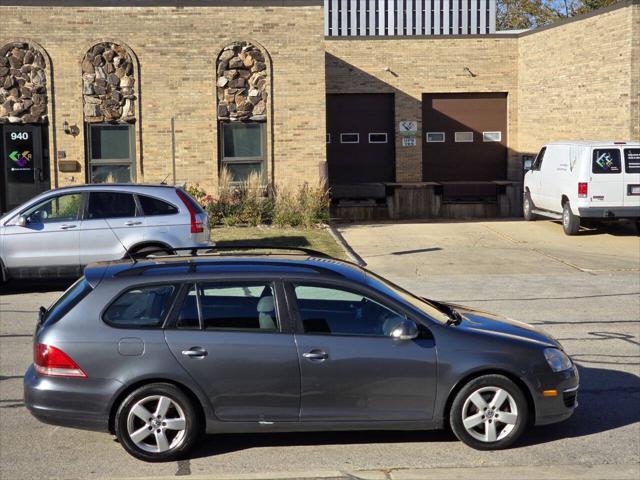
[489,414]
[156,424]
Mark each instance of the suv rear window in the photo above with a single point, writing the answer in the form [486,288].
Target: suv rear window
[69,299]
[140,307]
[606,160]
[111,205]
[632,160]
[154,206]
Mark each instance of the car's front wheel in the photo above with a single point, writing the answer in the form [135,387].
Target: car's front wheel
[527,208]
[157,423]
[489,413]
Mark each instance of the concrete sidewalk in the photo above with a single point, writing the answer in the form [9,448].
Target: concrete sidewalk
[557,472]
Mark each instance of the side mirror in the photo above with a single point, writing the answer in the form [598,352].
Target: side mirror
[22,221]
[405,330]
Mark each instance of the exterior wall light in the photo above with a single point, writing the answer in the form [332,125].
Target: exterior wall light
[70,129]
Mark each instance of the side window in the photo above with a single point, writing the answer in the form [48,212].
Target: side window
[337,311]
[537,163]
[606,160]
[63,208]
[140,307]
[632,160]
[188,315]
[111,205]
[246,306]
[154,206]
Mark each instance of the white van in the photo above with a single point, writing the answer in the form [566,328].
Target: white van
[584,180]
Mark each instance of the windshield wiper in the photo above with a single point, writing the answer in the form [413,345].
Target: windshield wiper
[454,316]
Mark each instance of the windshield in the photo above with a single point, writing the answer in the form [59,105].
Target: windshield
[419,303]
[69,299]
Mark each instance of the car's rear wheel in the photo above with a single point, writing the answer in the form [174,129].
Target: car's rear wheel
[570,222]
[142,253]
[157,423]
[527,208]
[489,413]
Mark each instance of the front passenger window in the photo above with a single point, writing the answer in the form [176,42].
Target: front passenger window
[338,311]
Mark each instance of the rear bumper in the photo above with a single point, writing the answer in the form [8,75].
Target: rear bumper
[70,402]
[561,407]
[609,212]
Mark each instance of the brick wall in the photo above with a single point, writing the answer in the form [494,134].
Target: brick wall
[176,49]
[581,80]
[425,65]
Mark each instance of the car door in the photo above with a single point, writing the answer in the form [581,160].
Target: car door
[534,178]
[232,338]
[352,369]
[606,186]
[47,244]
[110,226]
[632,177]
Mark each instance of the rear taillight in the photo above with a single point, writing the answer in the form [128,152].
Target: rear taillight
[53,362]
[583,189]
[196,226]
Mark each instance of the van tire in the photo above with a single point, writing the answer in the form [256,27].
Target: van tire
[527,208]
[570,222]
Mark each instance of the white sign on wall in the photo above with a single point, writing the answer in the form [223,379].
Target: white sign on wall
[408,128]
[408,141]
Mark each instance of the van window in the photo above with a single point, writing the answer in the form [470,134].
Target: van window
[632,160]
[538,161]
[606,160]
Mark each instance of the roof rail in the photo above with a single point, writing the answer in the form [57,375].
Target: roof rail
[212,249]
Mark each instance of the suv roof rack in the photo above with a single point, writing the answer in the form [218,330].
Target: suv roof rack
[212,249]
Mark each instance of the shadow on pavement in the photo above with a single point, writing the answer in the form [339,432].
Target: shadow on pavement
[617,229]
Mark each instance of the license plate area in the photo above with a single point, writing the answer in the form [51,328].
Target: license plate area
[633,189]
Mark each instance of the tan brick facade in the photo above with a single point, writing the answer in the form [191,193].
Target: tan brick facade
[176,49]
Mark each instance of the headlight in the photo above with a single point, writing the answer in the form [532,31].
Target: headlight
[557,359]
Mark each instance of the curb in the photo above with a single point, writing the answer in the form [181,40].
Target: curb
[337,236]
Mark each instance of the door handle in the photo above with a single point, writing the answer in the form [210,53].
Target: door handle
[131,223]
[66,226]
[195,352]
[316,355]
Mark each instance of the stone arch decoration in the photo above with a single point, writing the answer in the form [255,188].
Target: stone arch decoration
[243,83]
[108,84]
[23,84]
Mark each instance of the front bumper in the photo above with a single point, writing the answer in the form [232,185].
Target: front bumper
[560,407]
[70,402]
[609,212]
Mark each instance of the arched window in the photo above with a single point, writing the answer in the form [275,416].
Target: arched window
[242,94]
[108,95]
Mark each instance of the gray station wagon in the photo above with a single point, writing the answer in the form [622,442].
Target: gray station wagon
[60,231]
[160,350]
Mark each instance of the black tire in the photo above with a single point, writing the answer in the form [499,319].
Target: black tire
[507,434]
[183,441]
[527,208]
[570,222]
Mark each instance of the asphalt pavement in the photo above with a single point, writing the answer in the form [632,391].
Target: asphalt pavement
[584,290]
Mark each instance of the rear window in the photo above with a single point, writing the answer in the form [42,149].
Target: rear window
[69,299]
[632,160]
[140,307]
[111,205]
[606,160]
[154,206]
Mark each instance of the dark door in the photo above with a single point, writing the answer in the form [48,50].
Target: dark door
[464,137]
[229,337]
[24,164]
[352,370]
[360,138]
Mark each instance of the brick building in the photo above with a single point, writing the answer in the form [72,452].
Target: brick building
[407,121]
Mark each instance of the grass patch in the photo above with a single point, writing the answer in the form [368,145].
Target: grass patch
[315,238]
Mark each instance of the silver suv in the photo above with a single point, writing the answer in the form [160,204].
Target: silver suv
[60,231]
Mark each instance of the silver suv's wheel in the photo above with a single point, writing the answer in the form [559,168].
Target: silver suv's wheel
[157,422]
[489,413]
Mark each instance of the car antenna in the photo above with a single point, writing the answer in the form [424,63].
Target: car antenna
[164,182]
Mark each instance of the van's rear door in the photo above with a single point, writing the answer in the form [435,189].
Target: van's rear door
[631,177]
[606,186]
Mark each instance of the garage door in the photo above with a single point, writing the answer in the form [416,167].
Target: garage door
[464,137]
[360,138]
